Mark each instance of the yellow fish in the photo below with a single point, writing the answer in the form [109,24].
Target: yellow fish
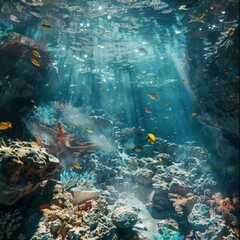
[166,117]
[45,25]
[152,138]
[77,166]
[151,119]
[35,62]
[89,130]
[231,31]
[160,159]
[5,125]
[194,113]
[36,53]
[74,123]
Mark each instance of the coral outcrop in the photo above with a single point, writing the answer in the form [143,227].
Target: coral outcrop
[124,217]
[24,165]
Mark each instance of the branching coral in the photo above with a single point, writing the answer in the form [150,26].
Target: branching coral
[225,207]
[62,144]
[71,179]
[183,205]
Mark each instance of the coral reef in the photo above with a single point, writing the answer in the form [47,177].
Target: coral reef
[124,217]
[9,223]
[23,166]
[57,217]
[63,145]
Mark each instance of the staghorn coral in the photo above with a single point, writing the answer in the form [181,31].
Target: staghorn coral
[183,205]
[63,145]
[71,179]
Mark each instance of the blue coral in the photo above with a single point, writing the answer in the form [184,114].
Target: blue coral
[204,185]
[70,179]
[42,115]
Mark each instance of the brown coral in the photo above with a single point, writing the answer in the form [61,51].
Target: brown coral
[63,144]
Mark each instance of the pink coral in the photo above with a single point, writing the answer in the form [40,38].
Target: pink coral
[183,204]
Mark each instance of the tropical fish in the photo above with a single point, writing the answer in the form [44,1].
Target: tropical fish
[7,77]
[147,110]
[166,117]
[151,119]
[152,138]
[5,125]
[77,166]
[137,149]
[201,16]
[216,125]
[100,89]
[36,53]
[153,96]
[183,7]
[231,31]
[194,113]
[89,130]
[142,50]
[184,81]
[160,159]
[74,123]
[35,62]
[165,104]
[45,25]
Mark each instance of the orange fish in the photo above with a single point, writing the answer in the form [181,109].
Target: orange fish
[147,110]
[5,125]
[201,16]
[45,25]
[35,62]
[153,96]
[231,31]
[77,166]
[36,54]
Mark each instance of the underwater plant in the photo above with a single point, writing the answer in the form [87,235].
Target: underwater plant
[70,179]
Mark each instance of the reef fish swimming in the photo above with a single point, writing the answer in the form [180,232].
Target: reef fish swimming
[152,138]
[5,125]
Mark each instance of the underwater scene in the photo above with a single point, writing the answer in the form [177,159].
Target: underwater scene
[119,120]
